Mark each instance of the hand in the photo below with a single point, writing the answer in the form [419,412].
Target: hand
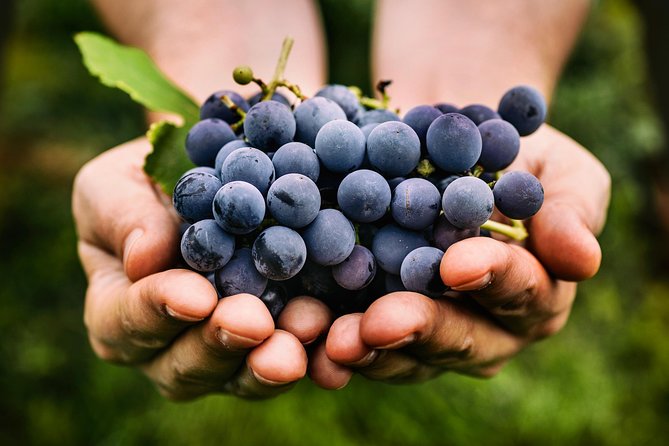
[506,295]
[169,322]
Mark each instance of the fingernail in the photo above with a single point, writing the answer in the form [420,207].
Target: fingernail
[265,381]
[475,285]
[129,242]
[233,341]
[182,317]
[401,343]
[366,360]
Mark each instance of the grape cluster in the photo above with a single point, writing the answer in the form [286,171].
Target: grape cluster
[329,198]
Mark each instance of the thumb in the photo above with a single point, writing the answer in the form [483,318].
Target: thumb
[117,208]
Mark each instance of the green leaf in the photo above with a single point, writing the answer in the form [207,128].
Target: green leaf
[131,70]
[168,160]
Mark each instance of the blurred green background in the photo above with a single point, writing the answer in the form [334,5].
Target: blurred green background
[603,380]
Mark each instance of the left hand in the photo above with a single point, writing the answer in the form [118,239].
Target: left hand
[507,295]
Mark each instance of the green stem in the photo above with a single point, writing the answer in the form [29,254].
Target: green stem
[477,171]
[280,68]
[515,231]
[261,84]
[425,168]
[295,89]
[371,103]
[232,106]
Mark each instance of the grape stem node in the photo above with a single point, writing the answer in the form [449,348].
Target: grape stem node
[516,230]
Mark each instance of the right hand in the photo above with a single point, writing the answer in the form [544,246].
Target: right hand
[169,322]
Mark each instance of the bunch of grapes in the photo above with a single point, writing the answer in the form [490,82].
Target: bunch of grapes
[338,197]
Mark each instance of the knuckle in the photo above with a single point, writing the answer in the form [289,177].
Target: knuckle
[550,327]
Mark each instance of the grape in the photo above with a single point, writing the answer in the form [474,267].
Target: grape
[240,275]
[225,151]
[201,169]
[278,97]
[524,107]
[443,182]
[488,177]
[377,117]
[213,107]
[193,196]
[328,183]
[419,119]
[453,142]
[518,195]
[367,129]
[344,97]
[445,107]
[420,271]
[275,299]
[500,144]
[294,200]
[357,270]
[329,238]
[250,165]
[340,145]
[269,125]
[479,113]
[415,204]
[239,207]
[444,234]
[393,148]
[313,114]
[392,243]
[296,157]
[279,253]
[206,247]
[394,182]
[467,202]
[242,74]
[205,139]
[363,196]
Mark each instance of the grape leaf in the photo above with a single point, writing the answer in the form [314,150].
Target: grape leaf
[168,160]
[131,70]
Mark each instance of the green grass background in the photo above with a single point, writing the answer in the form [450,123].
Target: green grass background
[603,380]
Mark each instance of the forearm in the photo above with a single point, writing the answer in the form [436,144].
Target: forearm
[197,43]
[472,52]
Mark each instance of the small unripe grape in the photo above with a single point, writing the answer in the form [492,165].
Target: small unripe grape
[242,74]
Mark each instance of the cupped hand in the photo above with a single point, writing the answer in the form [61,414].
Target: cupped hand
[169,322]
[504,295]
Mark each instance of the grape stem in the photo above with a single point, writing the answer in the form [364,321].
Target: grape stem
[516,230]
[294,88]
[280,68]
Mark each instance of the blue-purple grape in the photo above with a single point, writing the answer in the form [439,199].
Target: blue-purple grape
[239,207]
[392,243]
[364,196]
[357,270]
[420,271]
[206,247]
[377,117]
[479,113]
[344,97]
[419,119]
[500,144]
[205,139]
[250,165]
[240,275]
[393,148]
[453,142]
[194,194]
[518,195]
[444,234]
[294,200]
[329,238]
[296,157]
[269,125]
[340,145]
[279,253]
[313,114]
[467,202]
[415,204]
[213,107]
[225,151]
[524,107]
